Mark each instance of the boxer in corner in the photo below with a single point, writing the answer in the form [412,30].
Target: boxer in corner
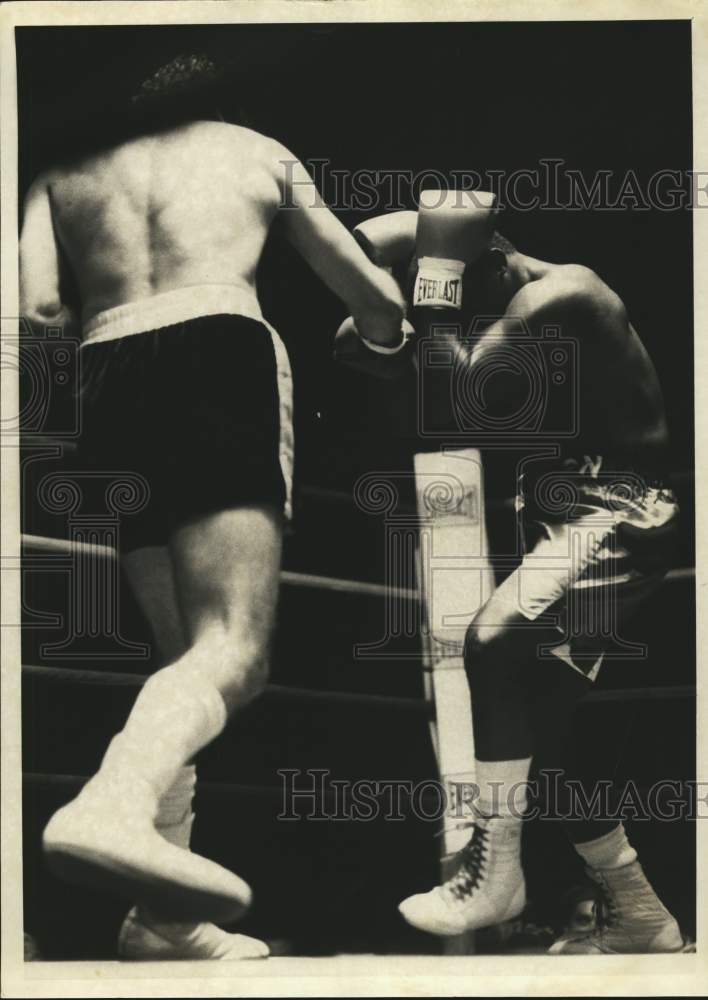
[187,384]
[588,562]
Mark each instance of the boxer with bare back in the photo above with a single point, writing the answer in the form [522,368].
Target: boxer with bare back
[187,384]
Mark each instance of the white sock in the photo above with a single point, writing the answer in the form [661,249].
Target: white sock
[176,714]
[502,787]
[612,850]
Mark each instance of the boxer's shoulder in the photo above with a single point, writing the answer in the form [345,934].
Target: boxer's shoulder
[279,161]
[45,179]
[237,138]
[272,150]
[569,292]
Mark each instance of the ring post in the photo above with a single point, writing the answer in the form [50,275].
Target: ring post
[455,579]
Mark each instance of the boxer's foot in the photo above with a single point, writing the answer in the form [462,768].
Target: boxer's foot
[487,888]
[630,918]
[105,838]
[145,938]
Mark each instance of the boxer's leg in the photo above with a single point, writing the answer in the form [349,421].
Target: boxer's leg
[145,935]
[227,568]
[516,710]
[226,575]
[520,696]
[148,570]
[631,918]
[500,659]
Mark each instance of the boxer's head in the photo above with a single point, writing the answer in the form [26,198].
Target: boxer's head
[491,280]
[188,88]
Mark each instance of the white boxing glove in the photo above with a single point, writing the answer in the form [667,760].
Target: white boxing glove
[453,230]
[387,239]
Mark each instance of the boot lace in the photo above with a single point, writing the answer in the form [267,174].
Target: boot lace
[472,858]
[606,914]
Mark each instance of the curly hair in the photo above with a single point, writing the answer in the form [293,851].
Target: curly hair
[184,76]
[189,87]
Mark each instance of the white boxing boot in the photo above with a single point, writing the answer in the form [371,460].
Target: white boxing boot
[630,918]
[96,842]
[487,888]
[147,937]
[107,837]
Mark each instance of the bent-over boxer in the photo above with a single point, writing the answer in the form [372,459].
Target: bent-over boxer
[599,525]
[185,382]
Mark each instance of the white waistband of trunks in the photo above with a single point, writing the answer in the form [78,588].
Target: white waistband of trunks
[166,308]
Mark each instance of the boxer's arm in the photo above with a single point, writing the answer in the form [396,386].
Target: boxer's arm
[372,295]
[40,268]
[388,239]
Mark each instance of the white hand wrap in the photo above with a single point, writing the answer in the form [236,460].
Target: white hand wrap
[453,230]
[439,282]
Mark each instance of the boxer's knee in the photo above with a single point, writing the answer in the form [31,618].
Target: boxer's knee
[235,657]
[498,640]
[488,631]
[246,669]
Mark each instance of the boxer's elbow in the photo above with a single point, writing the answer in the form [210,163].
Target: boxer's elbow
[45,310]
[39,307]
[40,300]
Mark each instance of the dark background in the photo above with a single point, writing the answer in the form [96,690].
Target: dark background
[613,96]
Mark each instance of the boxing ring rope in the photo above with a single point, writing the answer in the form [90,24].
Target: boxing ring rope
[63,546]
[314,696]
[273,692]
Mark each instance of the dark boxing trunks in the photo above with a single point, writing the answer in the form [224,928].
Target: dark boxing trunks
[597,543]
[195,409]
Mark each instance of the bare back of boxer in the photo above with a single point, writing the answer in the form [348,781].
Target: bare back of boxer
[187,207]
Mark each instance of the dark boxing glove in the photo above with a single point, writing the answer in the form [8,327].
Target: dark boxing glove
[377,360]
